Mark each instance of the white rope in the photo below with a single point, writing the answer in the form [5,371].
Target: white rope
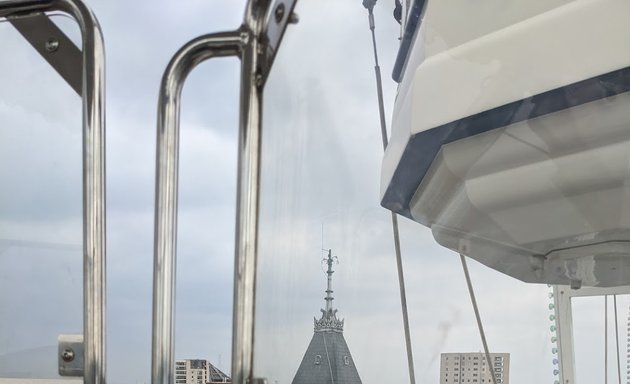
[479,324]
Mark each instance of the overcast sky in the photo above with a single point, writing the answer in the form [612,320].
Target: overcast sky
[321,165]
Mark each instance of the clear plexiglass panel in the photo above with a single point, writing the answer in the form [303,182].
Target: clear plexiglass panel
[600,326]
[322,152]
[41,277]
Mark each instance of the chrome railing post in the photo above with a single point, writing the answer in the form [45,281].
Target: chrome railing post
[248,198]
[247,203]
[93,94]
[94,292]
[255,43]
[191,54]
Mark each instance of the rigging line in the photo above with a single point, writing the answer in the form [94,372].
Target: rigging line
[617,340]
[396,233]
[605,339]
[322,237]
[479,324]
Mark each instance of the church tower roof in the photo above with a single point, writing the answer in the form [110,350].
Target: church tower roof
[327,359]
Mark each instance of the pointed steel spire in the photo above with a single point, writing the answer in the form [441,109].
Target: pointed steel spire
[329,320]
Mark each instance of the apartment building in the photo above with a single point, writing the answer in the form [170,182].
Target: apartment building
[472,368]
[195,371]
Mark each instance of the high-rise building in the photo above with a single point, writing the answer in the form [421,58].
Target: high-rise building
[471,368]
[195,371]
[327,358]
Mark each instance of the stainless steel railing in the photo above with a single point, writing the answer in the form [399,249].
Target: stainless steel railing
[196,51]
[255,44]
[92,90]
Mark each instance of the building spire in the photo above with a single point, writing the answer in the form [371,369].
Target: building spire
[329,291]
[329,320]
[327,358]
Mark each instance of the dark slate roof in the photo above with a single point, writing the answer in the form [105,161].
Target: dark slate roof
[327,361]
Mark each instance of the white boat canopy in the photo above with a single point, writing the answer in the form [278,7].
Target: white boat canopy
[513,145]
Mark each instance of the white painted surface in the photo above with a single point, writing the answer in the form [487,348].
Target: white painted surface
[564,45]
[557,186]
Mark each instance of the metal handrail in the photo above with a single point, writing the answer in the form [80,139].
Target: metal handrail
[12,7]
[93,95]
[196,51]
[256,44]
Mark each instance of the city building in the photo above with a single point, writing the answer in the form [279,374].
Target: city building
[471,368]
[195,371]
[327,358]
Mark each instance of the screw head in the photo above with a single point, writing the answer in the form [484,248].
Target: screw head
[279,13]
[258,79]
[52,45]
[67,355]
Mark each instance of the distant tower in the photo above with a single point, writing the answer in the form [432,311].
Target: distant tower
[327,359]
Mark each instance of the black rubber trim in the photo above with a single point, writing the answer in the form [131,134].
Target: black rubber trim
[423,147]
[413,22]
